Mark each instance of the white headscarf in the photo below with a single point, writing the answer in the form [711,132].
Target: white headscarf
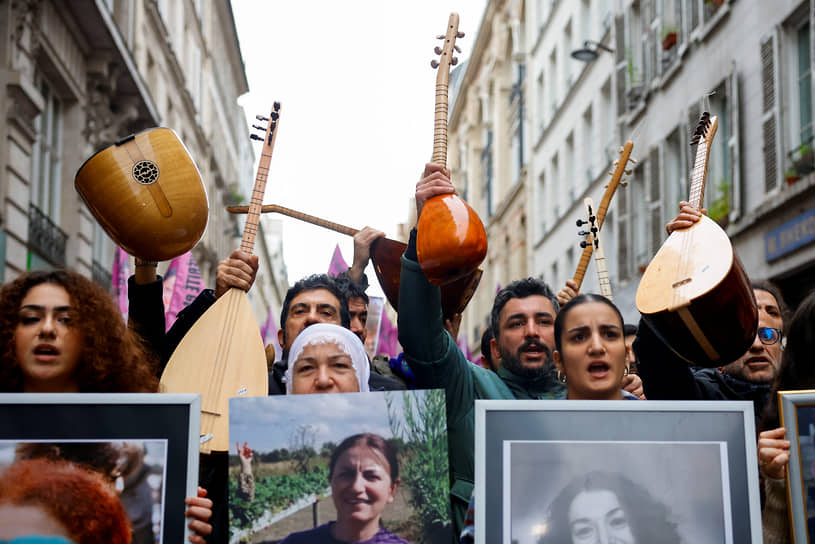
[320,333]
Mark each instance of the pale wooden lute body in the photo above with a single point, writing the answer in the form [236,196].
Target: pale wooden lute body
[147,193]
[386,255]
[222,356]
[695,294]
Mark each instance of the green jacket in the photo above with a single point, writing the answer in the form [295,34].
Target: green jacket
[438,363]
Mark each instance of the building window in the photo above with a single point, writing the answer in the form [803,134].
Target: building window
[102,257]
[486,168]
[804,74]
[517,137]
[46,186]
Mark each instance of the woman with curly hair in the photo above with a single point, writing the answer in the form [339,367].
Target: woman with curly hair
[49,498]
[605,508]
[63,333]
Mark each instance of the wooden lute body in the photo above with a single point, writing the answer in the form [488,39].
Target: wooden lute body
[386,255]
[695,294]
[147,193]
[222,355]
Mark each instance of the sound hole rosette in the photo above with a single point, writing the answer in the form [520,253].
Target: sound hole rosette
[145,172]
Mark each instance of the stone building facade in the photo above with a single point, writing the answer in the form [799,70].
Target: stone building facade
[77,76]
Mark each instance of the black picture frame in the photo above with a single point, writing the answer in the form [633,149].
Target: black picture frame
[105,417]
[588,439]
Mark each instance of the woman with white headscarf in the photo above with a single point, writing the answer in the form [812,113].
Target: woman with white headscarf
[327,358]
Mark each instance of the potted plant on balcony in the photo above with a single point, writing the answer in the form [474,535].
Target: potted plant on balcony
[720,209]
[791,176]
[803,159]
[634,93]
[669,37]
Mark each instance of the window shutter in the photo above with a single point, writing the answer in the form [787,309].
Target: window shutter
[619,40]
[771,133]
[654,201]
[733,148]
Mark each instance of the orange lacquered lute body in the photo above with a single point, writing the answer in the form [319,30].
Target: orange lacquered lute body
[147,193]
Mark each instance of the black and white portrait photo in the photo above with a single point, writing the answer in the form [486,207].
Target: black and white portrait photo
[583,492]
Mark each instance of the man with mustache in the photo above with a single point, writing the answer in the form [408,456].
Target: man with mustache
[522,322]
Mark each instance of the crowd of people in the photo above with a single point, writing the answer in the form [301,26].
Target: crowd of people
[63,334]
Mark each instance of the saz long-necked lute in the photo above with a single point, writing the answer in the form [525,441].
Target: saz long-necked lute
[386,257]
[694,293]
[222,355]
[616,180]
[450,239]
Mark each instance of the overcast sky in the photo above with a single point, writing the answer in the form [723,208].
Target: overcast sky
[357,94]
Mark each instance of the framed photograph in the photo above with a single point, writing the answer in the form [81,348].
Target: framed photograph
[143,446]
[311,467]
[797,413]
[555,471]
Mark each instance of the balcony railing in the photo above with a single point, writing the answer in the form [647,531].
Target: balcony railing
[46,238]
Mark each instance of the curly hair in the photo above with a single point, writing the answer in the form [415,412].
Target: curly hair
[113,358]
[80,500]
[649,519]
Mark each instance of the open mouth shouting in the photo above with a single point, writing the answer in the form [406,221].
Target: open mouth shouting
[533,351]
[599,369]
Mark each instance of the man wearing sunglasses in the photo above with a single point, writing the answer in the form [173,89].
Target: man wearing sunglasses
[666,376]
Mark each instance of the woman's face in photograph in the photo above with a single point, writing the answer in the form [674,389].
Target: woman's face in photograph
[597,517]
[324,368]
[593,352]
[18,521]
[361,484]
[47,342]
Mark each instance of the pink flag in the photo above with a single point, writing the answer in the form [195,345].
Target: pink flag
[388,337]
[464,346]
[119,275]
[187,283]
[338,264]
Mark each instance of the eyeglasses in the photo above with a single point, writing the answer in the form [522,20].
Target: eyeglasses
[769,336]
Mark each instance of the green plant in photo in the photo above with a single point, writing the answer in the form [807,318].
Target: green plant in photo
[424,471]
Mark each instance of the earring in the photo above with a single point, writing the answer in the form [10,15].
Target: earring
[561,377]
[627,370]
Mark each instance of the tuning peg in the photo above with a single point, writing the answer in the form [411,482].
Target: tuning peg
[457,48]
[459,34]
[633,160]
[582,233]
[580,222]
[434,63]
[440,37]
[437,50]
[454,61]
[620,150]
[624,183]
[628,171]
[583,244]
[261,118]
[256,137]
[259,127]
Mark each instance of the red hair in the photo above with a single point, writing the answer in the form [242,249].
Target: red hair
[78,499]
